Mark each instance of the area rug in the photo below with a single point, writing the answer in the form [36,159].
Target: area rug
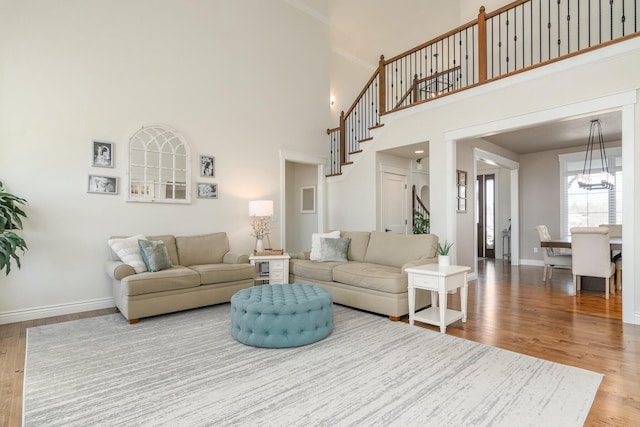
[185,369]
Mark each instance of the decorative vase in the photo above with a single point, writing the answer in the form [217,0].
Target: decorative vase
[259,245]
[444,260]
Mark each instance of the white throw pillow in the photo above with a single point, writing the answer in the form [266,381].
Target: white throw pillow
[315,243]
[128,251]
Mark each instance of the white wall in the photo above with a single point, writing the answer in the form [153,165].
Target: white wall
[565,83]
[239,79]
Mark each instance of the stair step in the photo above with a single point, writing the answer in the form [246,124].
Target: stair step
[366,139]
[355,152]
[377,126]
[333,174]
[346,163]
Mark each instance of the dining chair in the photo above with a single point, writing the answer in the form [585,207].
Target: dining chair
[591,256]
[552,258]
[615,230]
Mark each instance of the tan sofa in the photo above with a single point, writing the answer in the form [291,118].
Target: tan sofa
[373,278]
[204,272]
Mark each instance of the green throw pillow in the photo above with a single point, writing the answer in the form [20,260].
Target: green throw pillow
[154,254]
[334,249]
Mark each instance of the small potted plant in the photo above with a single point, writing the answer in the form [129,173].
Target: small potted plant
[10,220]
[443,253]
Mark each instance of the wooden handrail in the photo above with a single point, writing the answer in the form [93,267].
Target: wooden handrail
[362,92]
[417,81]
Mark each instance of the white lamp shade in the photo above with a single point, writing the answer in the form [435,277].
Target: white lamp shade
[261,208]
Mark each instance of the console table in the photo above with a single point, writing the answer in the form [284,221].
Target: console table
[271,268]
[440,280]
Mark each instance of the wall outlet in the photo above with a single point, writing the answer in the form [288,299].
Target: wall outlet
[535,249]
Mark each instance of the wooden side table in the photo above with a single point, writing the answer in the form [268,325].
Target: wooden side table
[440,280]
[272,268]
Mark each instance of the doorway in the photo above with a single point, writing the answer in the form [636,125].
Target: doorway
[394,203]
[486,215]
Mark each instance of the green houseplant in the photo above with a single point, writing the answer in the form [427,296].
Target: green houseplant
[443,253]
[421,224]
[11,216]
[445,248]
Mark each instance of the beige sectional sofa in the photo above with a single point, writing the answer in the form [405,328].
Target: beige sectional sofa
[203,272]
[373,278]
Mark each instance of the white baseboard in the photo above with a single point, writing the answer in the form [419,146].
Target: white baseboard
[55,310]
[472,276]
[533,262]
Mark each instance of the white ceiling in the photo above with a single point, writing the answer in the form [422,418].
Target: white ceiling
[364,29]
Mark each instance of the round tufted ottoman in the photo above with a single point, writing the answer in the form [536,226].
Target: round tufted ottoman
[278,316]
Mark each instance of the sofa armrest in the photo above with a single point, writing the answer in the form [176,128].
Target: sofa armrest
[118,270]
[234,258]
[418,262]
[304,255]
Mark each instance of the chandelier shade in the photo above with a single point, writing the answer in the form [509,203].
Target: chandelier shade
[596,178]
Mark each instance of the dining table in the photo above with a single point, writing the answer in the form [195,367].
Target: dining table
[565,242]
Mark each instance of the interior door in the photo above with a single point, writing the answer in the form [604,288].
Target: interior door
[486,215]
[394,203]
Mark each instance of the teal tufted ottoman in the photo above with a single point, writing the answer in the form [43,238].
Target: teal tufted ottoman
[278,316]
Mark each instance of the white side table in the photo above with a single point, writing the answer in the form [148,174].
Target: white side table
[274,268]
[439,280]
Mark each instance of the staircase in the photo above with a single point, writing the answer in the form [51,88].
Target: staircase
[518,37]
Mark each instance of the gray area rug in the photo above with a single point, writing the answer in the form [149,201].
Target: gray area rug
[185,369]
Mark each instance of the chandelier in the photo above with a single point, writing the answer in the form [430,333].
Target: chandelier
[595,180]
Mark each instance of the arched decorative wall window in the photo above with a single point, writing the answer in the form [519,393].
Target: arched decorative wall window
[159,162]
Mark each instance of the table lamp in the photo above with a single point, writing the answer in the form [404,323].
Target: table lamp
[260,212]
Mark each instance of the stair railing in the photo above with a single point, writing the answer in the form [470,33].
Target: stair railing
[520,36]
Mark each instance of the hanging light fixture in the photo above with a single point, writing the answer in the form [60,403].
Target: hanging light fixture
[595,181]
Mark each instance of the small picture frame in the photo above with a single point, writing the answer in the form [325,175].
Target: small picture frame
[102,154]
[461,182]
[206,190]
[308,199]
[207,166]
[462,177]
[101,184]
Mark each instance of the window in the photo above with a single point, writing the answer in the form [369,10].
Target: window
[158,166]
[589,208]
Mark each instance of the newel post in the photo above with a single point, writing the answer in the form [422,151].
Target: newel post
[343,140]
[382,87]
[482,45]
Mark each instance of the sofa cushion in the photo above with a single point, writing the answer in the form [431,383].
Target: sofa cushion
[371,276]
[358,244]
[154,254]
[202,249]
[222,273]
[334,249]
[394,250]
[170,243]
[315,243]
[176,277]
[128,251]
[313,270]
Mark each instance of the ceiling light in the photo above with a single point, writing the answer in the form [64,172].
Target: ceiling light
[596,180]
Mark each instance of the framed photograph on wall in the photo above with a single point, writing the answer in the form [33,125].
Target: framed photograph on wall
[102,184]
[207,191]
[308,199]
[102,154]
[207,166]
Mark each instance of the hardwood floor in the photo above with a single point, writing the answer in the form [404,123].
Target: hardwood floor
[509,307]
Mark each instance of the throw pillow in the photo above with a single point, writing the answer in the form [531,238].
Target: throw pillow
[128,251]
[334,249]
[315,243]
[154,254]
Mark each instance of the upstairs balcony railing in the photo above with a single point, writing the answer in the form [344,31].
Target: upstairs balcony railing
[523,35]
